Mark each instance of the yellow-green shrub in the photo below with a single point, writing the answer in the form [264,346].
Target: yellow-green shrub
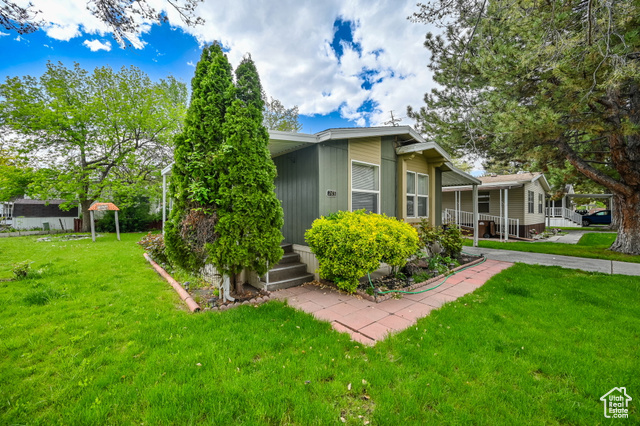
[348,245]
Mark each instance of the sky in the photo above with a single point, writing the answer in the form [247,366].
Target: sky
[344,63]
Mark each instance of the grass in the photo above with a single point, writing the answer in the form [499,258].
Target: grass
[94,336]
[591,245]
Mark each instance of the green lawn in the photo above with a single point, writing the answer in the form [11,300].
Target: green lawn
[96,337]
[592,245]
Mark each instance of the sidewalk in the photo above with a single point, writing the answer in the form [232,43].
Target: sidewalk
[586,264]
[368,322]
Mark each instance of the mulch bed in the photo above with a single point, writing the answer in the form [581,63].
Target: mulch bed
[391,283]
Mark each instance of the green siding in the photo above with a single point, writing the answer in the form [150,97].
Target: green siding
[438,195]
[334,166]
[297,190]
[389,177]
[388,198]
[388,151]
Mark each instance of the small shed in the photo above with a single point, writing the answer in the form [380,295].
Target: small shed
[29,214]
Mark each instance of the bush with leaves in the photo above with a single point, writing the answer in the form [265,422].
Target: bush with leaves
[21,269]
[154,245]
[449,238]
[349,245]
[132,217]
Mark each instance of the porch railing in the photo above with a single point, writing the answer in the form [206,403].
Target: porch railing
[564,213]
[462,218]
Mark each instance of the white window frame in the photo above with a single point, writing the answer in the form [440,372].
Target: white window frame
[531,201]
[540,204]
[416,195]
[484,197]
[366,191]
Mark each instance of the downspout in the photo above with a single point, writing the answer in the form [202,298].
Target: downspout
[476,216]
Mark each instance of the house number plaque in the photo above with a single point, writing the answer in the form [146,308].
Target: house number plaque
[331,193]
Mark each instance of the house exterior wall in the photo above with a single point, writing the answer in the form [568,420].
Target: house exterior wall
[365,150]
[535,217]
[417,163]
[389,181]
[37,222]
[333,174]
[297,188]
[517,203]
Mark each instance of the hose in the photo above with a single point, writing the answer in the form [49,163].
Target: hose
[376,292]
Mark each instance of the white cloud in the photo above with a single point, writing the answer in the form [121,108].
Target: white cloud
[63,32]
[290,42]
[96,45]
[191,64]
[3,34]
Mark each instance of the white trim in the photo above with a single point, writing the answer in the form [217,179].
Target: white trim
[416,195]
[363,190]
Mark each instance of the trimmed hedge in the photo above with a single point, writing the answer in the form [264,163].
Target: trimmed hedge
[349,245]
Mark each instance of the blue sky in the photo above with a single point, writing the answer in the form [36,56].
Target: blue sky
[343,63]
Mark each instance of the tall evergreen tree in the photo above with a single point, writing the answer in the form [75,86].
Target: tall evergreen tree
[249,213]
[194,178]
[550,81]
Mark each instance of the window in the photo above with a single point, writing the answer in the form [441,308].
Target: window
[531,196]
[365,187]
[483,201]
[417,195]
[540,203]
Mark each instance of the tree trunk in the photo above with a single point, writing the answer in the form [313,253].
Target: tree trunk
[86,216]
[239,280]
[628,208]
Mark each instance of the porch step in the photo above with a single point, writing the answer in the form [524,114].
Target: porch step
[279,285]
[289,272]
[286,271]
[289,258]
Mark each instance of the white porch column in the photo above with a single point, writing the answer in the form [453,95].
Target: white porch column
[476,216]
[506,214]
[164,201]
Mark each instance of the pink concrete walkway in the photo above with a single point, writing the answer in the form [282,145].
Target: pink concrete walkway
[368,322]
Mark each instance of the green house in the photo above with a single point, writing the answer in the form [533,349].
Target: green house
[390,170]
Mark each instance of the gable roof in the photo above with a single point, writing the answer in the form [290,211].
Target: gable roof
[281,143]
[509,181]
[284,142]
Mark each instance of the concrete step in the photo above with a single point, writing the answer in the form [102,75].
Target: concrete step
[288,258]
[287,271]
[287,247]
[292,282]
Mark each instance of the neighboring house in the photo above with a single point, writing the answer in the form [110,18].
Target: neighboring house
[390,170]
[519,197]
[561,211]
[29,214]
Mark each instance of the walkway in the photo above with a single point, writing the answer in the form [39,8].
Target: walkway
[586,264]
[368,322]
[571,237]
